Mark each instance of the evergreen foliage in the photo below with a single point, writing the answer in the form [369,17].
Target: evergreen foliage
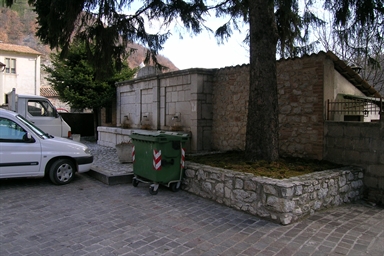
[74,78]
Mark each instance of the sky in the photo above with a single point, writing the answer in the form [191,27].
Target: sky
[203,51]
[200,51]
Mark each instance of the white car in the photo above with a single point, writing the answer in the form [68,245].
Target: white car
[27,151]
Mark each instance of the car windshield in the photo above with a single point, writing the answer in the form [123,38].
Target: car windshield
[31,126]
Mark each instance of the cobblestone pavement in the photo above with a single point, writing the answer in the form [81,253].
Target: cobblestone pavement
[106,160]
[88,217]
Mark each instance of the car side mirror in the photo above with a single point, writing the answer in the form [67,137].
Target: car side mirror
[28,138]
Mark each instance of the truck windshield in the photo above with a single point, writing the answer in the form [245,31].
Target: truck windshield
[31,126]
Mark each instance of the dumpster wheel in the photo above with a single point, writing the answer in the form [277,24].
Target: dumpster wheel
[135,182]
[153,189]
[175,186]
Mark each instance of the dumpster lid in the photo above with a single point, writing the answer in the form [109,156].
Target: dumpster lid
[179,134]
[159,135]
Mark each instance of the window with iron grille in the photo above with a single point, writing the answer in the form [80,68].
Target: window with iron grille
[354,109]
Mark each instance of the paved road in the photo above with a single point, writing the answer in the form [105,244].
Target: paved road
[88,217]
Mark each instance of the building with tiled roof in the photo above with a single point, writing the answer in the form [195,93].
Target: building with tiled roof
[53,96]
[17,49]
[21,71]
[48,91]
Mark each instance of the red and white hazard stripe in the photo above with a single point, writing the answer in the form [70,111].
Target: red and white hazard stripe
[157,160]
[133,153]
[182,160]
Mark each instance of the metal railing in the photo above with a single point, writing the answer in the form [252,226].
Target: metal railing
[354,107]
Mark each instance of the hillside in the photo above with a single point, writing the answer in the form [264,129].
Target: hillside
[19,27]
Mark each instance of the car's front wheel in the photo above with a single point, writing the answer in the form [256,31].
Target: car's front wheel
[62,171]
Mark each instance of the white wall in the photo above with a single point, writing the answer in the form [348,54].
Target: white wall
[27,77]
[343,86]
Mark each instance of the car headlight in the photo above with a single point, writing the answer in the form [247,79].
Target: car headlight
[87,151]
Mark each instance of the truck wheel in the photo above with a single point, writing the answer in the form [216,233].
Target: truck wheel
[61,172]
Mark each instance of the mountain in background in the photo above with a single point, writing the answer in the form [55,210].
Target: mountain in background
[18,26]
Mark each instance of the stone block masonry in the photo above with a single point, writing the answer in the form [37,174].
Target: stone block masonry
[358,143]
[300,84]
[177,101]
[283,201]
[212,104]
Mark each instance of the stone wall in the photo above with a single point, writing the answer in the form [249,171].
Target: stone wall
[230,108]
[282,201]
[110,136]
[356,143]
[176,101]
[301,107]
[212,104]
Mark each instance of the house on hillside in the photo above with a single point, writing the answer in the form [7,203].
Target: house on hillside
[212,104]
[22,70]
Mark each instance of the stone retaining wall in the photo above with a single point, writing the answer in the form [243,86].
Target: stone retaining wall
[357,143]
[283,201]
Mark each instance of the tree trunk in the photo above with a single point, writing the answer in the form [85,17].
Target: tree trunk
[262,137]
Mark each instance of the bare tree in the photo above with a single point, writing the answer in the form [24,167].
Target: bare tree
[360,46]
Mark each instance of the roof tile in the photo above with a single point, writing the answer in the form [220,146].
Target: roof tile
[17,48]
[48,92]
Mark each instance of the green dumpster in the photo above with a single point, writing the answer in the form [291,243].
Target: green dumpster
[158,158]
